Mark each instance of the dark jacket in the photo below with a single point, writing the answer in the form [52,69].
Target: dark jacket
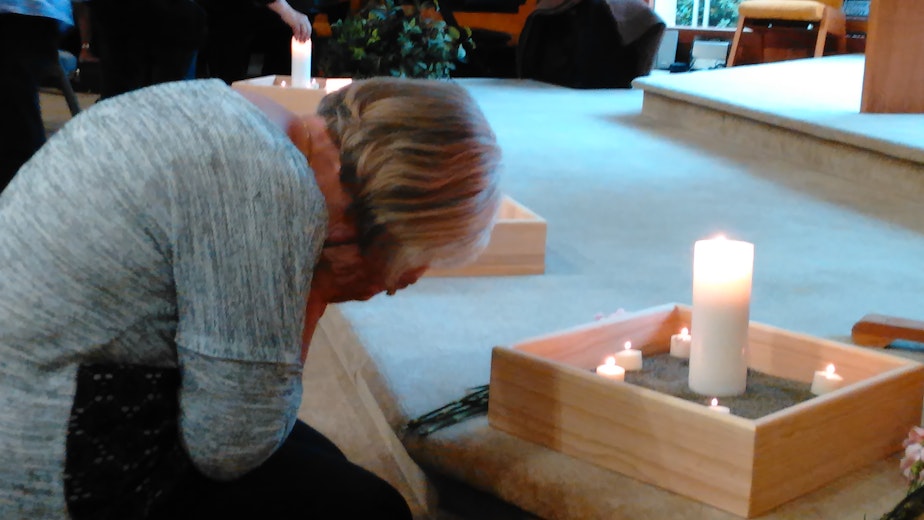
[589,43]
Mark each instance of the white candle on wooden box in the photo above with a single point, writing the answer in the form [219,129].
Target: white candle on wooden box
[301,63]
[629,358]
[680,344]
[826,381]
[716,407]
[610,370]
[722,272]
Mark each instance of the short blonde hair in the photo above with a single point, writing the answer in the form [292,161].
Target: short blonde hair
[422,162]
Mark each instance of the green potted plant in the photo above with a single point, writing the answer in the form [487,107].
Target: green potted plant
[387,38]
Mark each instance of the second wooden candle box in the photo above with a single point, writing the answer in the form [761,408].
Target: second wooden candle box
[300,101]
[517,246]
[544,391]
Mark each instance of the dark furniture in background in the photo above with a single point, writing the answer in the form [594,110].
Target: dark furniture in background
[589,43]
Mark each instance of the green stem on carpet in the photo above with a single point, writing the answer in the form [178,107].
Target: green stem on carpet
[911,508]
[471,405]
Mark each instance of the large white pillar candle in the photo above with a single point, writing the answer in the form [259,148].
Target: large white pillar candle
[301,63]
[722,271]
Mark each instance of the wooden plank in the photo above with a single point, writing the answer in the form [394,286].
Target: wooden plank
[585,346]
[893,80]
[797,356]
[878,330]
[809,445]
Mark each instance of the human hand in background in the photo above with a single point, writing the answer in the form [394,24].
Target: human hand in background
[297,21]
[86,55]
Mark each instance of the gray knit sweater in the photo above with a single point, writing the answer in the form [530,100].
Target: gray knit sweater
[174,225]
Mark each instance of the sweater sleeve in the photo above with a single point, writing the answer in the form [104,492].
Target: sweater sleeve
[235,415]
[248,223]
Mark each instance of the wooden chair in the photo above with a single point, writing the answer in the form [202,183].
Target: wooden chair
[825,16]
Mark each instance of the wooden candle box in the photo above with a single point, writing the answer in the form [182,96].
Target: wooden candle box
[544,391]
[517,246]
[300,101]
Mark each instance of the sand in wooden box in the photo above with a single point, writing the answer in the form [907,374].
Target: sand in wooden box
[517,246]
[300,101]
[544,391]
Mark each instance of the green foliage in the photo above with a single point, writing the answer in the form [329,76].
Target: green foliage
[392,39]
[722,13]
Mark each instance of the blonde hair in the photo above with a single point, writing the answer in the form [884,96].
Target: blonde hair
[421,161]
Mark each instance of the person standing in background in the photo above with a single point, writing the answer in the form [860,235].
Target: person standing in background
[235,24]
[29,34]
[84,31]
[145,42]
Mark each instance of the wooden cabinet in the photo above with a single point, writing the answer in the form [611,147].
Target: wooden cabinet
[893,81]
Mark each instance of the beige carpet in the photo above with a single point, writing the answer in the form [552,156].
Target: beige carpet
[625,197]
[819,97]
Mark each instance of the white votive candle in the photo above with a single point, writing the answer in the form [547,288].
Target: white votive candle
[629,358]
[301,63]
[715,407]
[826,380]
[610,370]
[680,344]
[722,271]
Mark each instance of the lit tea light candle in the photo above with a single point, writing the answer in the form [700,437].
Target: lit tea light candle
[629,358]
[722,272]
[826,380]
[301,63]
[680,344]
[282,83]
[610,370]
[715,407]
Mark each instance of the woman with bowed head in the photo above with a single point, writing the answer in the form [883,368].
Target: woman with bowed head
[166,258]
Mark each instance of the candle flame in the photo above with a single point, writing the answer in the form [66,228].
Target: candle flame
[830,369]
[282,84]
[628,345]
[719,237]
[610,361]
[684,331]
[715,402]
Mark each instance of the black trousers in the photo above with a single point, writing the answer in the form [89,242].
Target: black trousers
[235,29]
[307,478]
[28,47]
[145,42]
[124,462]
